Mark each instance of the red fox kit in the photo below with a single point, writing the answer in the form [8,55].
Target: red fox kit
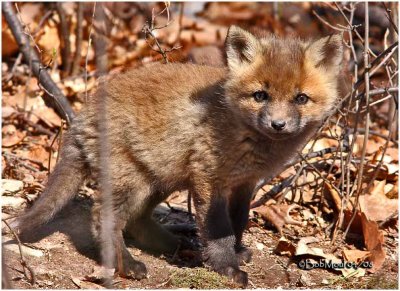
[213,131]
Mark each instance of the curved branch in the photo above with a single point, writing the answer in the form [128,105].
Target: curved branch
[54,97]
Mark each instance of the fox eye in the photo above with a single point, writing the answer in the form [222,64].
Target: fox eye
[301,99]
[260,96]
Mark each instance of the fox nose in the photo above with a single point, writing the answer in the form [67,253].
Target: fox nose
[278,124]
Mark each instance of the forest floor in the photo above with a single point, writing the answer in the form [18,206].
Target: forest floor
[62,254]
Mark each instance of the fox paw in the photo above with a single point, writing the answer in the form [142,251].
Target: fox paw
[238,276]
[133,269]
[244,255]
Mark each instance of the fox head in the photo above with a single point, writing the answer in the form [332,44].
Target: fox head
[280,87]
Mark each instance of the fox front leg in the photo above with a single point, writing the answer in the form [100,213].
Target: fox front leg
[218,235]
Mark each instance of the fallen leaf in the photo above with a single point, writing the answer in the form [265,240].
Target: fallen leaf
[99,274]
[393,193]
[356,227]
[8,45]
[48,116]
[376,206]
[38,153]
[334,195]
[11,136]
[285,247]
[355,256]
[82,284]
[278,215]
[373,240]
[303,249]
[7,111]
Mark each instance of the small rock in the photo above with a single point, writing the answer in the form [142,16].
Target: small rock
[11,186]
[260,246]
[26,251]
[7,111]
[305,280]
[10,201]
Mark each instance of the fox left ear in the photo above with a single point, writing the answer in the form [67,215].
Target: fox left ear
[327,52]
[241,47]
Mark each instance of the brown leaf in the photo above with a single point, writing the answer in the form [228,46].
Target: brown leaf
[82,284]
[334,195]
[303,249]
[373,240]
[285,247]
[393,193]
[278,215]
[11,136]
[48,116]
[355,256]
[376,206]
[8,45]
[356,227]
[37,154]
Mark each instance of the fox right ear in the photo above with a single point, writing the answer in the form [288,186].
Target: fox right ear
[241,47]
[327,52]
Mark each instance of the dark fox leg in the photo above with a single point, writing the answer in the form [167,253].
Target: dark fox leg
[212,217]
[62,186]
[124,263]
[150,235]
[130,192]
[239,206]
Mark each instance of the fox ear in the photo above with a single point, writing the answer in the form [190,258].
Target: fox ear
[327,52]
[241,47]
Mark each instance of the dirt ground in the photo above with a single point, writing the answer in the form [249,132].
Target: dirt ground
[64,255]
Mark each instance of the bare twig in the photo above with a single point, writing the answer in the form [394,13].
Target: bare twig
[60,134]
[100,41]
[108,251]
[14,67]
[327,23]
[367,121]
[180,25]
[31,278]
[64,38]
[18,158]
[288,181]
[389,16]
[87,53]
[79,38]
[55,98]
[148,30]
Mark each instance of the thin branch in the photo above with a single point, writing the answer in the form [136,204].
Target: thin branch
[100,41]
[32,278]
[78,40]
[327,23]
[55,99]
[148,30]
[87,53]
[367,121]
[288,181]
[64,38]
[389,16]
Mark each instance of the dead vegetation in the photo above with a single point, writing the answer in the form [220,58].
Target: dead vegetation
[338,202]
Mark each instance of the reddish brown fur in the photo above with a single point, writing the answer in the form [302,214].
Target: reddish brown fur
[180,126]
